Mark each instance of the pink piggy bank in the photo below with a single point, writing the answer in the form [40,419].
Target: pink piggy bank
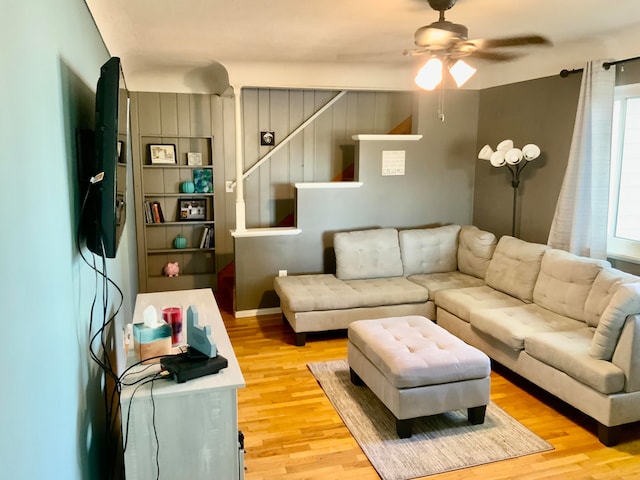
[172,269]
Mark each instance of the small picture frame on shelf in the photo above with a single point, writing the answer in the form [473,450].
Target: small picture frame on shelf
[190,209]
[194,158]
[162,154]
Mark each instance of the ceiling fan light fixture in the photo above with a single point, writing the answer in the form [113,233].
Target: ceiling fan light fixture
[430,75]
[461,72]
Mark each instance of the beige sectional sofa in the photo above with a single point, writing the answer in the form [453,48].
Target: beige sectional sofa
[569,324]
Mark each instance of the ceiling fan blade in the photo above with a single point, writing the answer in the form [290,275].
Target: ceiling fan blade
[510,42]
[494,56]
[413,52]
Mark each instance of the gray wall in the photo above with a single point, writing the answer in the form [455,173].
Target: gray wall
[538,111]
[436,189]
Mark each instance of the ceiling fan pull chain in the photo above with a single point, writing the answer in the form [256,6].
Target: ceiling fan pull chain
[441,102]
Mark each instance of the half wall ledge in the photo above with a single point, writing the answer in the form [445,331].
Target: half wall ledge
[386,137]
[328,185]
[266,232]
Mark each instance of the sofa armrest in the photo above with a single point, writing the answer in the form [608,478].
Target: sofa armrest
[627,353]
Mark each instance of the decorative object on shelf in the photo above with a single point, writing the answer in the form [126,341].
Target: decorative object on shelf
[172,269]
[187,187]
[203,179]
[512,158]
[194,158]
[162,154]
[192,209]
[180,242]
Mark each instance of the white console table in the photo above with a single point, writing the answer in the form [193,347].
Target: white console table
[197,421]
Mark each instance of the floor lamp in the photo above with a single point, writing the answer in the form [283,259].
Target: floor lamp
[515,159]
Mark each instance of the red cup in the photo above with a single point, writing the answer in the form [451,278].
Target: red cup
[173,316]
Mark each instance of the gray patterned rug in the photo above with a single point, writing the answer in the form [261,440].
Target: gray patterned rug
[440,443]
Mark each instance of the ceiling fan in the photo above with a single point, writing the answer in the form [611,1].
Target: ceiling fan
[448,42]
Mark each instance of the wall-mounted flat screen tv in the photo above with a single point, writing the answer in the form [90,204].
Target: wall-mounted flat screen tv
[103,163]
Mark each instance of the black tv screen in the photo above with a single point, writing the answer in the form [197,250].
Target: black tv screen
[104,168]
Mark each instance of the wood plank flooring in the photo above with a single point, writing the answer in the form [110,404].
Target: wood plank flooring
[292,431]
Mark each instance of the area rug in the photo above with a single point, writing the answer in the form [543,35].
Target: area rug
[440,443]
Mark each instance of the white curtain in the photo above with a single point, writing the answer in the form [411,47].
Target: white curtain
[580,221]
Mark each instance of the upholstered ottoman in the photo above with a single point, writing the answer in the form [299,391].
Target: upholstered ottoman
[416,369]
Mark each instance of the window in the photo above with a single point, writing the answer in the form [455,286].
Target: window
[624,198]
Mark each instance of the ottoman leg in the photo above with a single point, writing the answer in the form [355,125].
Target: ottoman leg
[355,378]
[404,427]
[301,339]
[476,414]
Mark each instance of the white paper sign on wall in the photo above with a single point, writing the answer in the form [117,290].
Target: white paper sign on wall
[392,162]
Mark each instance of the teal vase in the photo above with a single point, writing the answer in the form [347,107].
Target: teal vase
[180,242]
[187,187]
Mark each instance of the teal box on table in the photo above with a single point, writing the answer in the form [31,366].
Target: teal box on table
[150,342]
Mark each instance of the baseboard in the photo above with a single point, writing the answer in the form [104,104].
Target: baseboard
[258,312]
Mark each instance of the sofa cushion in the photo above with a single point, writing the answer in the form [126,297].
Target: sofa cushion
[626,301]
[511,325]
[306,293]
[429,250]
[434,282]
[564,282]
[569,352]
[475,250]
[367,254]
[462,301]
[604,286]
[514,267]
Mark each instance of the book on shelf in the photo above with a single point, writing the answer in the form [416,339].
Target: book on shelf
[147,213]
[203,237]
[207,238]
[153,212]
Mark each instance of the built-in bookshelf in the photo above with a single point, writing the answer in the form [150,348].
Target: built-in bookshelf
[169,208]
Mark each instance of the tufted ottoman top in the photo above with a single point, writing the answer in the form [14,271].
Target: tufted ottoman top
[413,351]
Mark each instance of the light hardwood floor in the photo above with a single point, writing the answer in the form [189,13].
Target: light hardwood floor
[292,431]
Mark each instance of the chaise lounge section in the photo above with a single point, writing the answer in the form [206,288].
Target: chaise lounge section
[569,324]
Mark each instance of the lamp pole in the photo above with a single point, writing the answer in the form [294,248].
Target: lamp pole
[515,183]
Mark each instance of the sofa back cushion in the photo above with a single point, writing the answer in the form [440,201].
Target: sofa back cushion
[429,250]
[367,254]
[475,250]
[604,286]
[626,301]
[514,267]
[564,282]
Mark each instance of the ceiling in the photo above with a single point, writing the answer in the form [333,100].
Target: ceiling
[174,45]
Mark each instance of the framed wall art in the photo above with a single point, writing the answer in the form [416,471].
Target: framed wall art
[194,158]
[190,209]
[162,154]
